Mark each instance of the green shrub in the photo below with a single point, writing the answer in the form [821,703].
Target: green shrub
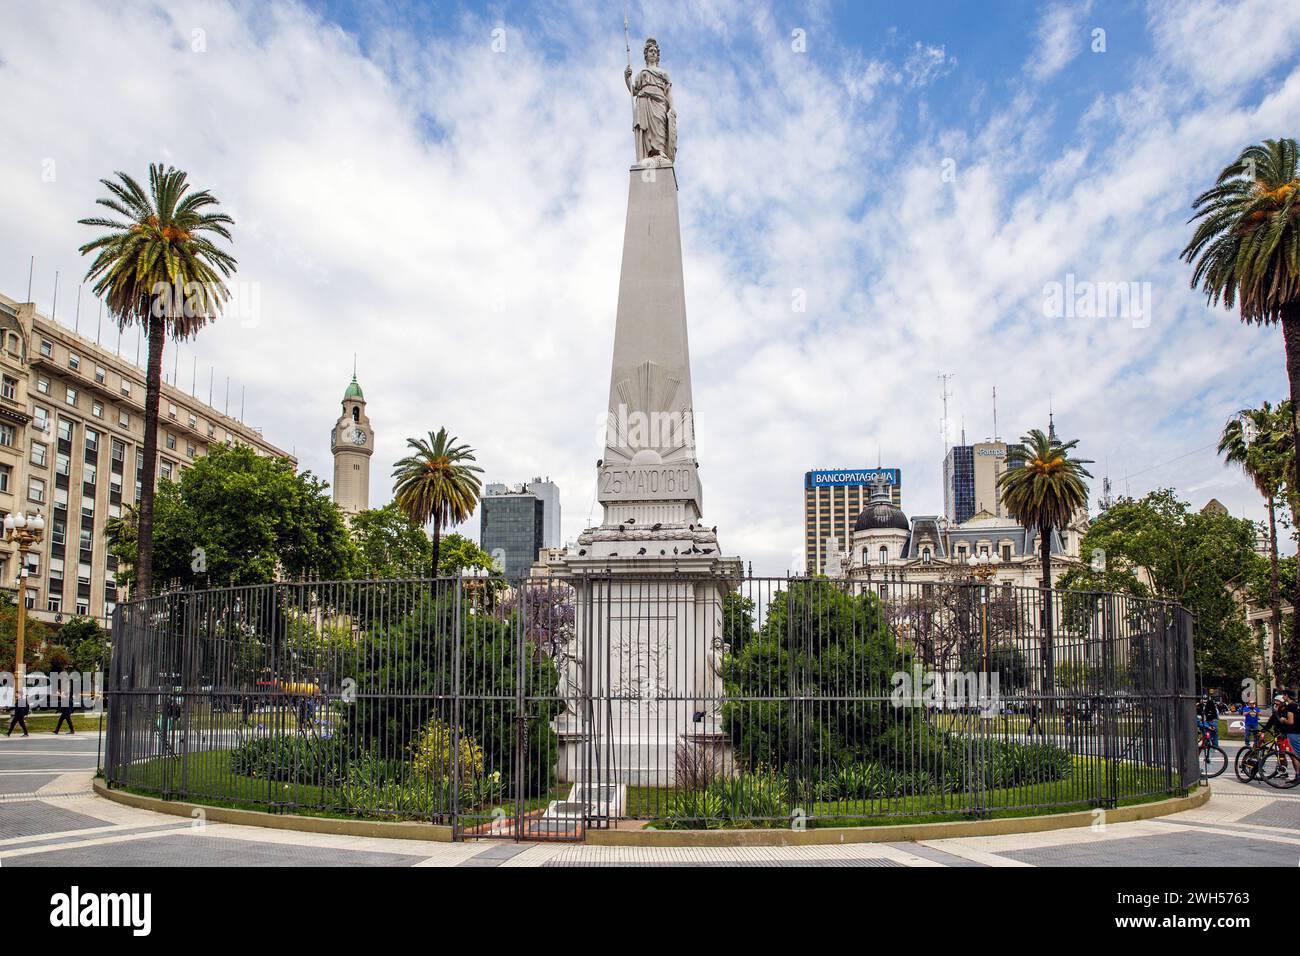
[296,759]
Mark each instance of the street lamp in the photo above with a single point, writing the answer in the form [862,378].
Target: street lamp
[984,566]
[25,531]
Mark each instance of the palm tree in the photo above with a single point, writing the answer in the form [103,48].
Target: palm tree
[435,483]
[1246,250]
[123,536]
[157,266]
[1042,488]
[1258,441]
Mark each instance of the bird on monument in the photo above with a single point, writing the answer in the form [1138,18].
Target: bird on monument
[599,462]
[582,551]
[708,550]
[641,551]
[656,526]
[622,529]
[631,521]
[662,552]
[715,529]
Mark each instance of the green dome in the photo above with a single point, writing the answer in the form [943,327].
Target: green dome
[354,391]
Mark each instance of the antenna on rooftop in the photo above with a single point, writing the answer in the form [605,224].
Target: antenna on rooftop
[995,414]
[54,309]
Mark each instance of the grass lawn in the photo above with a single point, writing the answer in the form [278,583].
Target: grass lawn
[1079,791]
[209,779]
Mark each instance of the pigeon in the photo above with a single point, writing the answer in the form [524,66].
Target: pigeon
[662,552]
[708,550]
[622,529]
[715,529]
[582,551]
[641,551]
[599,462]
[613,554]
[656,526]
[692,527]
[674,550]
[631,521]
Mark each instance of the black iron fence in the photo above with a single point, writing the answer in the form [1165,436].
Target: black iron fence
[546,707]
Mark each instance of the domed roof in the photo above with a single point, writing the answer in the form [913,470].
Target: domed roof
[354,391]
[881,513]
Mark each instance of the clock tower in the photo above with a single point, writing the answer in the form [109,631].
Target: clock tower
[353,442]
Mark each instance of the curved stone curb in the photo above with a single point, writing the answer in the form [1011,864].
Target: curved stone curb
[893,833]
[393,830]
[820,836]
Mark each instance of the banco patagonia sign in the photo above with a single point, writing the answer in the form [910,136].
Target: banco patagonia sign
[861,476]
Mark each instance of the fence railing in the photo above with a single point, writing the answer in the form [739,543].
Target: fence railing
[545,707]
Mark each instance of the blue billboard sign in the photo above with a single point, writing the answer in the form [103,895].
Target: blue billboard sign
[839,478]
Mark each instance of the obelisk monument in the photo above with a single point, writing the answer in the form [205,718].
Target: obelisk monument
[651,573]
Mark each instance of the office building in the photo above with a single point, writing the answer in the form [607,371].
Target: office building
[833,499]
[71,424]
[970,480]
[512,523]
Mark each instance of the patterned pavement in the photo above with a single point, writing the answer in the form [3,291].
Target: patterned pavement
[50,817]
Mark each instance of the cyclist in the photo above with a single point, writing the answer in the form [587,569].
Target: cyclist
[1207,718]
[1277,724]
[1250,720]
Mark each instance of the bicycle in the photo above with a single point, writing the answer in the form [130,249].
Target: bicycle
[1212,759]
[1268,761]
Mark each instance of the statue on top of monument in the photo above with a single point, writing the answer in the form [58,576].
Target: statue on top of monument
[654,122]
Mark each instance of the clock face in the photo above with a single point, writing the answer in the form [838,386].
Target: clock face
[358,435]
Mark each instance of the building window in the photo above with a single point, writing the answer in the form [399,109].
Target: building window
[124,419]
[53,603]
[171,410]
[865,558]
[883,555]
[9,388]
[189,449]
[42,384]
[1006,552]
[72,397]
[36,489]
[74,361]
[97,409]
[925,555]
[47,348]
[7,435]
[212,429]
[83,608]
[194,421]
[65,430]
[100,375]
[38,453]
[42,417]
[5,472]
[166,469]
[92,440]
[171,442]
[62,464]
[126,387]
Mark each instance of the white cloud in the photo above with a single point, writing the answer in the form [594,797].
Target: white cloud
[1060,37]
[454,217]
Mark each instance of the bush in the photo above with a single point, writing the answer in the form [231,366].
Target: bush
[308,760]
[432,753]
[743,800]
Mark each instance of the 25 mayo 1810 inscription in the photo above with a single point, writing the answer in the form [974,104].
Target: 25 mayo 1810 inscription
[646,482]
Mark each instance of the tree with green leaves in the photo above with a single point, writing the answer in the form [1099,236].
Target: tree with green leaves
[389,544]
[238,518]
[87,642]
[437,483]
[1258,441]
[157,266]
[1246,253]
[459,554]
[1042,488]
[1158,546]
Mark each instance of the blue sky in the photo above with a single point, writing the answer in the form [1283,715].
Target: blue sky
[450,210]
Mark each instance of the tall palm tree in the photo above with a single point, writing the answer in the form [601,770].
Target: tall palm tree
[1042,488]
[436,483]
[1246,250]
[1253,440]
[157,266]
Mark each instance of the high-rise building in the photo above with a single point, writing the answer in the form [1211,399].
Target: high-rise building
[352,442]
[833,499]
[549,492]
[71,424]
[512,523]
[970,480]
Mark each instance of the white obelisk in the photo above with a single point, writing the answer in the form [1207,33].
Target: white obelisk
[650,578]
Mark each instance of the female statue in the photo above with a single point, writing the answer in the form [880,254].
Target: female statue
[654,124]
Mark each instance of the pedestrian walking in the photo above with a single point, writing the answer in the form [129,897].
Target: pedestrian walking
[20,715]
[66,698]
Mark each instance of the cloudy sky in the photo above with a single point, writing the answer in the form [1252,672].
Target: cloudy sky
[440,189]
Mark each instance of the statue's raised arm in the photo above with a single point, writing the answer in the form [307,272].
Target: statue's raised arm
[654,120]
